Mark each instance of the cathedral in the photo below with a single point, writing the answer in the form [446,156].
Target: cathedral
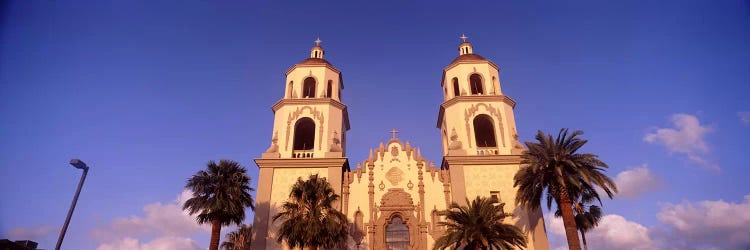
[392,198]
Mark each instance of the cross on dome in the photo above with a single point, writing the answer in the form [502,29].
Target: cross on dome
[317,41]
[393,133]
[463,37]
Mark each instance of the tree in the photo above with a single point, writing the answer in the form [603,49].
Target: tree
[238,239]
[587,216]
[221,193]
[309,218]
[555,168]
[478,226]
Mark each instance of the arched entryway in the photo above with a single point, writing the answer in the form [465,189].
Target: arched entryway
[397,226]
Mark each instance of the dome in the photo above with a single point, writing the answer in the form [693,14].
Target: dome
[468,57]
[313,61]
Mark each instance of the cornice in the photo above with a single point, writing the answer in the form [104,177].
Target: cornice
[468,160]
[302,162]
[473,98]
[307,101]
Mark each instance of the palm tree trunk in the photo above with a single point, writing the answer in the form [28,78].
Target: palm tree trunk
[571,231]
[215,233]
[583,237]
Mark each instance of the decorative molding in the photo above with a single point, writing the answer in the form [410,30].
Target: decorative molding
[494,111]
[468,160]
[302,162]
[394,175]
[396,198]
[472,98]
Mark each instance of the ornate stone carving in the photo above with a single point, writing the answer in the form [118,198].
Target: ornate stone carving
[494,111]
[455,143]
[335,147]
[396,197]
[394,175]
[394,151]
[517,146]
[315,113]
[274,148]
[381,186]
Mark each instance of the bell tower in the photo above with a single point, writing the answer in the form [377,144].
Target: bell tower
[481,150]
[308,137]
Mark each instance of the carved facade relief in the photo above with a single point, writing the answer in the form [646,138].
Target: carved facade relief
[336,146]
[274,148]
[394,175]
[455,143]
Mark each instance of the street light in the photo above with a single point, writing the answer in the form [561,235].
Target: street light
[79,165]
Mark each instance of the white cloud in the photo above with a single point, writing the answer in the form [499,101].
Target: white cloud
[614,232]
[632,183]
[687,137]
[163,243]
[744,117]
[32,233]
[689,225]
[168,222]
[709,224]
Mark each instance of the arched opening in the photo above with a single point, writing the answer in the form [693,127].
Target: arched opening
[456,91]
[494,85]
[329,90]
[435,219]
[476,84]
[484,131]
[290,87]
[304,134]
[397,234]
[359,220]
[308,88]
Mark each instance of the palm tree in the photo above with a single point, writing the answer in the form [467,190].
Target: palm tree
[309,218]
[221,193]
[554,167]
[587,217]
[238,239]
[478,226]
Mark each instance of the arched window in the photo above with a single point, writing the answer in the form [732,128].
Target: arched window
[435,219]
[304,134]
[329,90]
[476,84]
[456,91]
[397,235]
[484,131]
[494,85]
[359,220]
[291,89]
[308,88]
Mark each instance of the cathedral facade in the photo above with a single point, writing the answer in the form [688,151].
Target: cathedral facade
[392,198]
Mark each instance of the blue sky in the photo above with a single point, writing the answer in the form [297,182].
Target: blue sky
[146,93]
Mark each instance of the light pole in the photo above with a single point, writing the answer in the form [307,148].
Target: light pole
[79,165]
